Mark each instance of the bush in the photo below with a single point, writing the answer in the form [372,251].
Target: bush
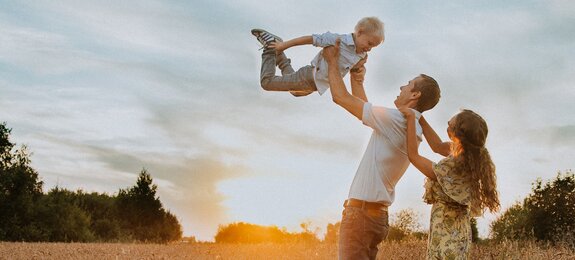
[513,224]
[246,233]
[547,214]
[404,224]
[332,233]
[552,209]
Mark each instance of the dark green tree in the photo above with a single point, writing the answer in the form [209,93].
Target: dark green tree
[170,228]
[142,215]
[514,224]
[474,231]
[26,214]
[20,189]
[62,218]
[105,223]
[552,209]
[547,214]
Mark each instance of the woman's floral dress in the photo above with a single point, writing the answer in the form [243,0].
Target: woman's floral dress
[450,227]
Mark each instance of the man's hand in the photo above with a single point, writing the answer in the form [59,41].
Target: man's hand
[331,53]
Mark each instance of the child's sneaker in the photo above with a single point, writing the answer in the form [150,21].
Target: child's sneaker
[265,38]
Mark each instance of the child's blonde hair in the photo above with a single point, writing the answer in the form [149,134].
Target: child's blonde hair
[370,25]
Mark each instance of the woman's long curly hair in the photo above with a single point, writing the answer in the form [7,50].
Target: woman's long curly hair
[468,131]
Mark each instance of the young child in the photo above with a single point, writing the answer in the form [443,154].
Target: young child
[353,50]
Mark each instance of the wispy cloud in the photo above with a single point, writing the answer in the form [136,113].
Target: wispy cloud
[553,136]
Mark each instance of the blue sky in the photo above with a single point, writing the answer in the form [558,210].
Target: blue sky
[99,90]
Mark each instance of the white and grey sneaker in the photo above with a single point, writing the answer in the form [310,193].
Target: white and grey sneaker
[265,37]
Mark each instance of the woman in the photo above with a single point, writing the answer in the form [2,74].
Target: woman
[460,186]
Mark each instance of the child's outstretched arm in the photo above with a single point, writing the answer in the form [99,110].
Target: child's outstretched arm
[438,146]
[423,164]
[281,46]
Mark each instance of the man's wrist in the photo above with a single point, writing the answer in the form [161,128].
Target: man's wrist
[354,70]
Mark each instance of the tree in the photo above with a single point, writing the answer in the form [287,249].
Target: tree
[332,233]
[474,231]
[307,235]
[250,233]
[246,233]
[547,214]
[26,214]
[105,223]
[20,189]
[552,208]
[170,228]
[62,218]
[513,224]
[142,215]
[403,224]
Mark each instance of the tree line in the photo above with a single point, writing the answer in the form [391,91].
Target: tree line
[60,215]
[547,214]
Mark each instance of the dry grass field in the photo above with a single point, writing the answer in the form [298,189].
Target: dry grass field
[405,250]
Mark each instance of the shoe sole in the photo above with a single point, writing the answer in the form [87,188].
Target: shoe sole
[255,32]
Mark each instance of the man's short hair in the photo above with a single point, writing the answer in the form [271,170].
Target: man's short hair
[430,93]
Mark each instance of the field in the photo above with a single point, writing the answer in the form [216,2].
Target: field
[405,250]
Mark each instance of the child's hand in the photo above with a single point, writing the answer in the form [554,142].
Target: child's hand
[357,75]
[407,112]
[278,46]
[359,66]
[361,62]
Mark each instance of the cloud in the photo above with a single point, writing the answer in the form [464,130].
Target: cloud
[187,184]
[36,52]
[553,136]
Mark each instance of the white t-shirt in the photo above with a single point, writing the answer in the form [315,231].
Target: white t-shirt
[385,158]
[347,57]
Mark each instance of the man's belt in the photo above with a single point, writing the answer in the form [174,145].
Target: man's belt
[362,204]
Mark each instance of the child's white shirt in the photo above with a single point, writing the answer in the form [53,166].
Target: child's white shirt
[347,59]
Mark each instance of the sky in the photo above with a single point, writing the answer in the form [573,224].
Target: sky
[99,90]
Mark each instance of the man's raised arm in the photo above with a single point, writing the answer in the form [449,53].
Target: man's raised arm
[339,93]
[356,77]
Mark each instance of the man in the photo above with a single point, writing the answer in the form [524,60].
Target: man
[365,220]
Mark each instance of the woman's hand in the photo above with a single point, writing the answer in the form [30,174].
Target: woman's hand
[407,112]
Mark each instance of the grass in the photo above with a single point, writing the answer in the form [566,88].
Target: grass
[388,250]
